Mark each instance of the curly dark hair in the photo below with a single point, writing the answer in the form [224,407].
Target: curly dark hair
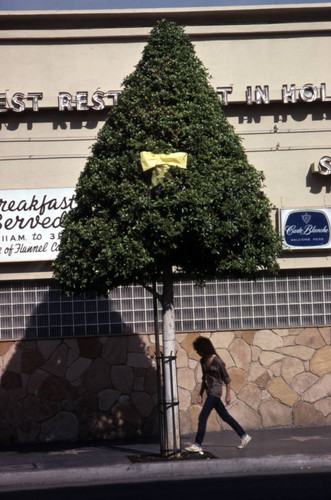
[204,347]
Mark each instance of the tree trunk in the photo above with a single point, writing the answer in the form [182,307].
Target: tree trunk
[170,370]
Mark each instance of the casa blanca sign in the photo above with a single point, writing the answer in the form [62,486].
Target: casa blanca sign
[31,221]
[82,101]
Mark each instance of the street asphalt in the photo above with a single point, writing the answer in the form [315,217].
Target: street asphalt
[271,451]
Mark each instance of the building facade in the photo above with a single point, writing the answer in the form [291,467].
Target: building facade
[61,73]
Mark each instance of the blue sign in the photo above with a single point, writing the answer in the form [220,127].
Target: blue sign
[306,229]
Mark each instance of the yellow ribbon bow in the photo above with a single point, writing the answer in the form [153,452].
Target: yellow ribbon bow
[161,163]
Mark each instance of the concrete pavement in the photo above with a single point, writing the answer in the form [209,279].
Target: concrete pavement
[270,451]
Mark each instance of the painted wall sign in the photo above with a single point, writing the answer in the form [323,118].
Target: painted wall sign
[81,101]
[31,222]
[305,229]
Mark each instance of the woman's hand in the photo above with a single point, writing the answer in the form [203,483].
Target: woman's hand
[228,394]
[199,399]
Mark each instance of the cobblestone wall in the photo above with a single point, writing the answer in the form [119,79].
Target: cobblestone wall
[105,387]
[279,377]
[84,388]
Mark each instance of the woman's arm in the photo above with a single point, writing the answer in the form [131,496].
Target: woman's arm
[228,393]
[203,384]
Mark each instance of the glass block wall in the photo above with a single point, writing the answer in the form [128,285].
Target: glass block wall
[36,309]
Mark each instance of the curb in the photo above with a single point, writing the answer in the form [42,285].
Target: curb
[43,478]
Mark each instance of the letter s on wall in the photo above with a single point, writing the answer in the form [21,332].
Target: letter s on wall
[324,166]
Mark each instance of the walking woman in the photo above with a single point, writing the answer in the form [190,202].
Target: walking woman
[214,374]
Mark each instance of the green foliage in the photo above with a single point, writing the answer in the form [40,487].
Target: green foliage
[211,218]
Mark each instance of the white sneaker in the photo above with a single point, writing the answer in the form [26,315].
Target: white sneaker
[244,441]
[195,448]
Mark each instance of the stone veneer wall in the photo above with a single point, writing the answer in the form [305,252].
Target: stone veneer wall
[278,377]
[77,389]
[105,387]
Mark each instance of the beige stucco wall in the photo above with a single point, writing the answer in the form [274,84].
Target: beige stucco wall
[105,387]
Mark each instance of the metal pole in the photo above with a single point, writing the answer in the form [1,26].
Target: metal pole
[159,375]
[175,401]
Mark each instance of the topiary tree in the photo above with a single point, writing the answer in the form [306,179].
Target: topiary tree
[132,226]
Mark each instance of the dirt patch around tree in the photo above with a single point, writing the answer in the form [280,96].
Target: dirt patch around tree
[185,455]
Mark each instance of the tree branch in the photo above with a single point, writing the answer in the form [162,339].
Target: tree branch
[155,294]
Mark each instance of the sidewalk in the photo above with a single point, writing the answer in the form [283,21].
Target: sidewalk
[270,451]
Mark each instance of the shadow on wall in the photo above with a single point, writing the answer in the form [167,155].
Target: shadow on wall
[66,389]
[47,313]
[281,114]
[318,183]
[55,120]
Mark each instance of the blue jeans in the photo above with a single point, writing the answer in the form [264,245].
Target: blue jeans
[215,402]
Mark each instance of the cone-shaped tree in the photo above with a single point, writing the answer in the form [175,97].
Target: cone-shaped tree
[211,218]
